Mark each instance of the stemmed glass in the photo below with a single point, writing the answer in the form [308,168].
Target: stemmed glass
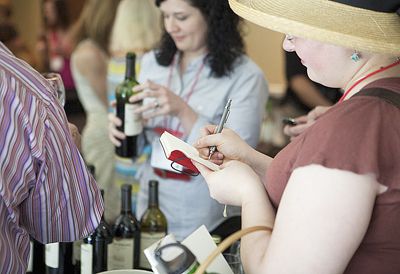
[56,81]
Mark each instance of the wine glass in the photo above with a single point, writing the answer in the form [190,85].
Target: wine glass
[56,82]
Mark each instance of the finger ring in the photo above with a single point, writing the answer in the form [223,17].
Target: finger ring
[156,104]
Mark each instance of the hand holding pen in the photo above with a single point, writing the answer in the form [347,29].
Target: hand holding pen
[221,125]
[219,129]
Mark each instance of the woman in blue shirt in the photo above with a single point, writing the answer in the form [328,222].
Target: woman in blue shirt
[198,66]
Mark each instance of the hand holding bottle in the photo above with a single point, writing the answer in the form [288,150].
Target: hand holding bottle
[114,134]
[164,102]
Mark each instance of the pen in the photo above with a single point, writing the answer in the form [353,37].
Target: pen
[220,126]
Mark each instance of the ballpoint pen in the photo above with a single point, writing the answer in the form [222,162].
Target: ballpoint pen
[219,129]
[220,126]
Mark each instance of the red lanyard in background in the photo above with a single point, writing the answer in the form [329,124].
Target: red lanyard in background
[185,98]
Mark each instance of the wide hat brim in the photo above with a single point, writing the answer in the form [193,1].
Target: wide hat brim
[326,21]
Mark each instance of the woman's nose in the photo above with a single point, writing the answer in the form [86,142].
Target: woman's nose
[288,43]
[170,25]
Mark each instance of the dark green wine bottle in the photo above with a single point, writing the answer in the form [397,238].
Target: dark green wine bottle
[153,224]
[131,122]
[58,258]
[36,258]
[124,251]
[77,246]
[95,248]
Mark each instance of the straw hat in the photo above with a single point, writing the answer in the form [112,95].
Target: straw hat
[372,26]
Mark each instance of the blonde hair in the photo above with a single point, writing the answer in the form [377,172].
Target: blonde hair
[136,28]
[95,22]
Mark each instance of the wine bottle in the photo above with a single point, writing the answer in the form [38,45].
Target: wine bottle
[76,256]
[153,224]
[131,122]
[77,246]
[94,250]
[36,258]
[58,258]
[87,255]
[124,251]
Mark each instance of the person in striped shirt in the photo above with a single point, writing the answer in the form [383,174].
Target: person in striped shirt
[45,189]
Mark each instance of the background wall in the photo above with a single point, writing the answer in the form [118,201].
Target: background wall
[26,15]
[263,46]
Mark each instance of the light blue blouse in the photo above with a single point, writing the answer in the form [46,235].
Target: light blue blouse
[188,205]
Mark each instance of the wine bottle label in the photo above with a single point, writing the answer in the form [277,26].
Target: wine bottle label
[76,250]
[30,262]
[132,122]
[146,240]
[51,255]
[120,254]
[86,259]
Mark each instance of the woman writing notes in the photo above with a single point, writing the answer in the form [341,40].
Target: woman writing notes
[199,65]
[332,195]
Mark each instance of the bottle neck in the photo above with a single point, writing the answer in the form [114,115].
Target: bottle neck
[130,73]
[126,202]
[102,197]
[153,196]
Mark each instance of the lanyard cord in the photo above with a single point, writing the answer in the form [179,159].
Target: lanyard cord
[186,98]
[367,76]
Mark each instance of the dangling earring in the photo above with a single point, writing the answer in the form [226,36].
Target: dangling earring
[355,56]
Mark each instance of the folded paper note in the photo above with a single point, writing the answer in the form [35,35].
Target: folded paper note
[182,153]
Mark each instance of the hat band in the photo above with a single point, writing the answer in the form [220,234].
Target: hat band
[389,6]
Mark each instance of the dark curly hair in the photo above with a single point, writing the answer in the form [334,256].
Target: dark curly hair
[224,40]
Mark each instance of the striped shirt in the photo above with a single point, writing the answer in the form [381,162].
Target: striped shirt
[45,188]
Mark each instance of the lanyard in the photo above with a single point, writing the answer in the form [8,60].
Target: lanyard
[367,76]
[185,98]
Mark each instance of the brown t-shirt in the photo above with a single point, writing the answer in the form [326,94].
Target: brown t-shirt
[361,135]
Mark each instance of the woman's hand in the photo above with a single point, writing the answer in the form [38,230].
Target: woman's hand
[76,136]
[229,145]
[165,101]
[304,122]
[113,133]
[233,184]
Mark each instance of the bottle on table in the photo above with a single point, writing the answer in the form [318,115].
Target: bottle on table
[131,122]
[94,249]
[76,247]
[58,258]
[76,256]
[124,251]
[125,172]
[153,224]
[36,258]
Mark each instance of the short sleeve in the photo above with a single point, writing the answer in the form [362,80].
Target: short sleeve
[358,135]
